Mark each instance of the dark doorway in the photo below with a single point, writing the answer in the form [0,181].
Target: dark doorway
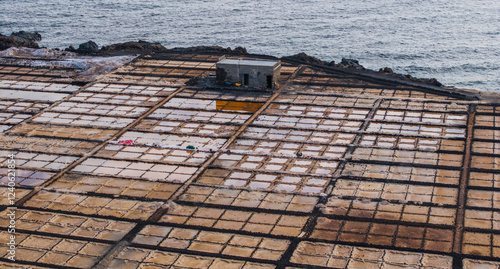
[269,82]
[246,78]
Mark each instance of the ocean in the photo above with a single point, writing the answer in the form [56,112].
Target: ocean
[456,42]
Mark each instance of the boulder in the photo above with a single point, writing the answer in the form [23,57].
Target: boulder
[26,36]
[386,70]
[89,47]
[348,62]
[303,57]
[20,39]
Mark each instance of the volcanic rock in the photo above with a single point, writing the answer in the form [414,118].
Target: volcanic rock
[303,57]
[140,46]
[20,39]
[89,47]
[210,49]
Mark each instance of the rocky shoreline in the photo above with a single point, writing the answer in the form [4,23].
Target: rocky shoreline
[90,48]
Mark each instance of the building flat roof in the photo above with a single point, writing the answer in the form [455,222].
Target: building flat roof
[249,62]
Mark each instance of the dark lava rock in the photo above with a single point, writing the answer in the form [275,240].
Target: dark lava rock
[240,50]
[27,37]
[134,47]
[210,49]
[70,48]
[89,47]
[429,81]
[303,57]
[350,63]
[20,39]
[386,70]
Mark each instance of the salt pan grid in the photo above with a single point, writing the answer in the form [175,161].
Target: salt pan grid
[480,179]
[135,90]
[237,220]
[49,97]
[61,131]
[199,116]
[488,121]
[99,109]
[277,164]
[395,235]
[203,104]
[47,145]
[486,134]
[25,178]
[4,128]
[395,192]
[486,162]
[18,192]
[22,106]
[165,71]
[424,106]
[412,143]
[420,117]
[486,147]
[343,256]
[56,251]
[482,219]
[346,91]
[38,86]
[93,205]
[69,225]
[267,181]
[399,167]
[389,211]
[317,111]
[327,80]
[38,160]
[82,120]
[191,128]
[115,99]
[402,173]
[213,242]
[410,157]
[324,100]
[226,95]
[142,170]
[36,74]
[287,149]
[308,123]
[481,244]
[13,118]
[471,263]
[144,79]
[159,155]
[402,129]
[176,63]
[174,141]
[252,199]
[132,257]
[114,186]
[290,135]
